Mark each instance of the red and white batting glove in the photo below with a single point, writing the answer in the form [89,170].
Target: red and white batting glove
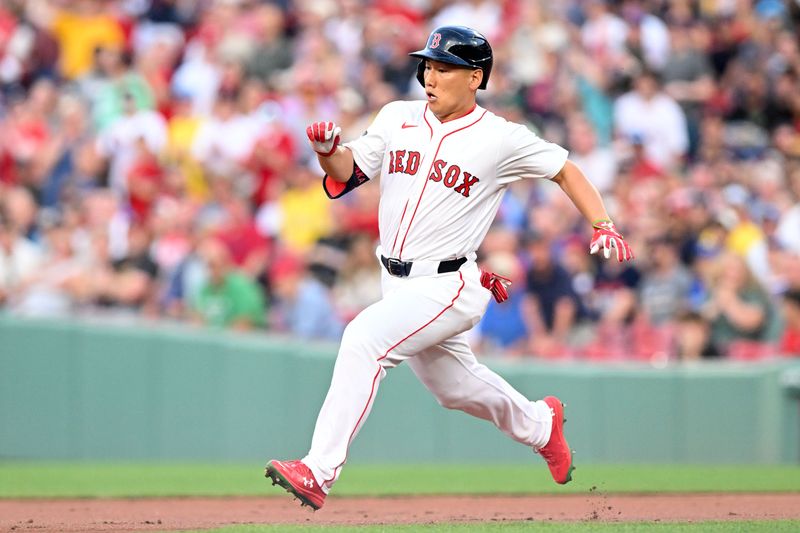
[324,137]
[607,237]
[497,284]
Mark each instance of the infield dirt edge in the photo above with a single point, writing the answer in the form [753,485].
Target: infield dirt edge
[167,514]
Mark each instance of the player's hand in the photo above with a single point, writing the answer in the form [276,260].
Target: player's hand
[324,137]
[607,237]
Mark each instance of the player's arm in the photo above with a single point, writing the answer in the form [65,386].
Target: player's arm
[342,174]
[589,202]
[339,165]
[581,191]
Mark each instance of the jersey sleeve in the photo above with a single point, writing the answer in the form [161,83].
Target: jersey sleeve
[526,155]
[369,149]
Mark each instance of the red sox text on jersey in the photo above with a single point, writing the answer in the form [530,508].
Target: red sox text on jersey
[407,162]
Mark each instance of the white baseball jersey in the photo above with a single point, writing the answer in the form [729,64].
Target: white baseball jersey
[442,183]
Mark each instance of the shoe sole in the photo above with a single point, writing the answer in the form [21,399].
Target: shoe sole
[571,451]
[278,479]
[571,468]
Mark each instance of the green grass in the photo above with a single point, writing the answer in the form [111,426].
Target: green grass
[90,480]
[513,527]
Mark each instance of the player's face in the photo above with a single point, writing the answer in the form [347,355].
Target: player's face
[450,89]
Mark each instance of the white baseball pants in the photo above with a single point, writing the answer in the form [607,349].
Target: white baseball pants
[420,319]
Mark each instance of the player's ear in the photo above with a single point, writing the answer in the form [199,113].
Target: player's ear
[476,78]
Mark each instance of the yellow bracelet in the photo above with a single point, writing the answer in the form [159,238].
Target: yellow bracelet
[600,221]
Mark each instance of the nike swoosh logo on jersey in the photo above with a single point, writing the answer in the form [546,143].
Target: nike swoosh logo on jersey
[404,126]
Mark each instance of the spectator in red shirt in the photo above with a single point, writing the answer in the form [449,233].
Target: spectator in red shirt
[25,134]
[145,179]
[248,248]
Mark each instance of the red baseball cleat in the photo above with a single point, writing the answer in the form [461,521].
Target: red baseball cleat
[556,452]
[296,478]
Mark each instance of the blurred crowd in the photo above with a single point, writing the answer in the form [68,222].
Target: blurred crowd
[153,165]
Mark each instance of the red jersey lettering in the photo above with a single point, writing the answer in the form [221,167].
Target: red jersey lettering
[398,163]
[468,181]
[412,165]
[436,174]
[452,176]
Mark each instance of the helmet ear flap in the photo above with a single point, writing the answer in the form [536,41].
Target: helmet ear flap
[484,79]
[421,73]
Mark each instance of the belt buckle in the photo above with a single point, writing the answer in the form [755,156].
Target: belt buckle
[396,267]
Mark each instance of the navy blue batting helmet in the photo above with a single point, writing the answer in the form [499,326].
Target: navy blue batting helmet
[456,45]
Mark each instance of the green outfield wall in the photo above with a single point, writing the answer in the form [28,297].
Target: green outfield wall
[71,390]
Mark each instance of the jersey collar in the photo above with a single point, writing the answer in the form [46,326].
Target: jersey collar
[451,125]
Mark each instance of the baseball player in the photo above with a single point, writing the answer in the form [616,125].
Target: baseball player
[444,164]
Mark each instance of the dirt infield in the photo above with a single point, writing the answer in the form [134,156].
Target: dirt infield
[187,513]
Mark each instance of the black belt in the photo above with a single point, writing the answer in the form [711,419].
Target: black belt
[402,269]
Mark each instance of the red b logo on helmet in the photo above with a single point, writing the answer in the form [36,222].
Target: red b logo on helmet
[435,40]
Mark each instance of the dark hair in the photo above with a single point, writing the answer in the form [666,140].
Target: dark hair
[691,316]
[648,73]
[792,295]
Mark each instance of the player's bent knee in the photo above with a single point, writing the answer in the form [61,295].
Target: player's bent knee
[451,401]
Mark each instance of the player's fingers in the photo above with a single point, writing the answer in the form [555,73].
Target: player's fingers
[604,242]
[329,131]
[310,133]
[620,250]
[593,247]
